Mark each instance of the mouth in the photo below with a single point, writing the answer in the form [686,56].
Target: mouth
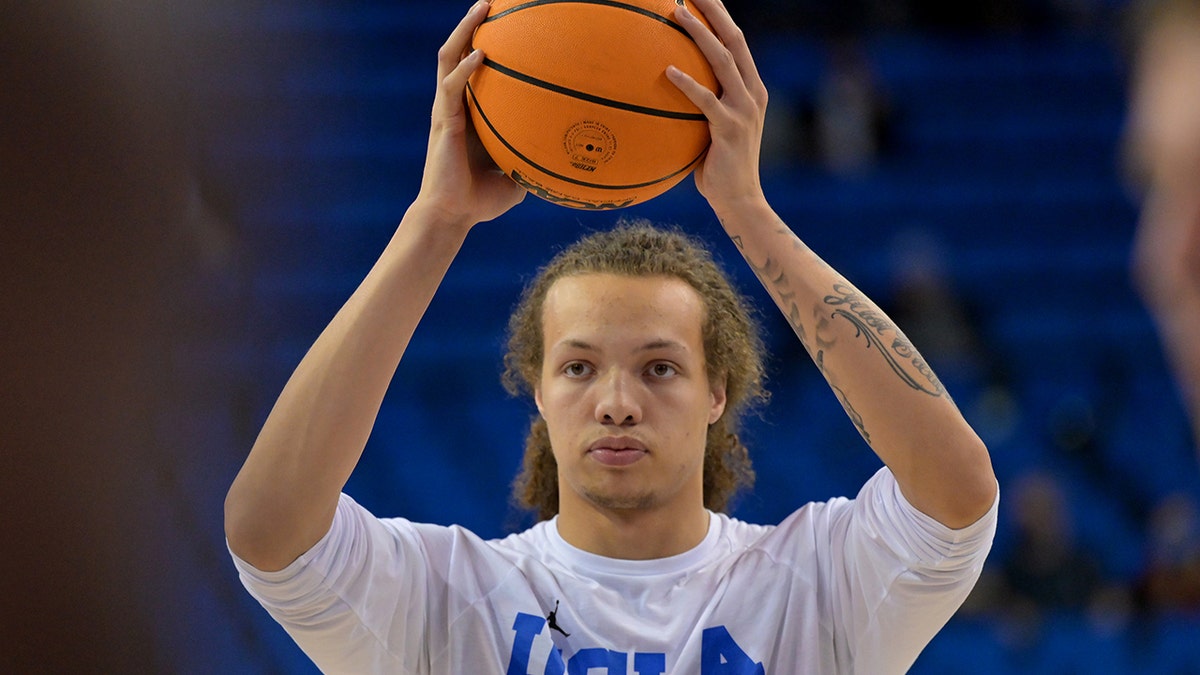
[617,451]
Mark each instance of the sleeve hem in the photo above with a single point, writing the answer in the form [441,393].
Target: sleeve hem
[301,561]
[944,533]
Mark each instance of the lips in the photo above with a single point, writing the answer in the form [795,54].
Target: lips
[617,451]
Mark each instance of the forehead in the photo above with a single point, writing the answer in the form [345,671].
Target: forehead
[610,303]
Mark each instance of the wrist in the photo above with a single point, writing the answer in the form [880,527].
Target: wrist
[736,214]
[438,233]
[438,221]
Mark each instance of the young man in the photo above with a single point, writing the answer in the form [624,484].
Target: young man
[1164,145]
[633,360]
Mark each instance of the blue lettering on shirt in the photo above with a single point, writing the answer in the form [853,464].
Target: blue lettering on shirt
[649,664]
[719,655]
[527,626]
[584,660]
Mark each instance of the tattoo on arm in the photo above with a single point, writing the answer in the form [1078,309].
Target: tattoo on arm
[772,276]
[824,343]
[851,412]
[873,325]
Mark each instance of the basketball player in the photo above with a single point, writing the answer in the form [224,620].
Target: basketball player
[639,356]
[1164,143]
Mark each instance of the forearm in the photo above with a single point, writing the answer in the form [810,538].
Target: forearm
[1167,273]
[1179,327]
[284,497]
[887,389]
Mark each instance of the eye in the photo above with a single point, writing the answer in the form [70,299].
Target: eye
[577,369]
[661,370]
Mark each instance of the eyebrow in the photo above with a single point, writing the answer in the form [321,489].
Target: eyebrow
[649,346]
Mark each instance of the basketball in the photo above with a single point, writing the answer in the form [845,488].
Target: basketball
[572,101]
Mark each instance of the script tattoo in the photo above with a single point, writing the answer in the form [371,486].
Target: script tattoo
[873,325]
[776,281]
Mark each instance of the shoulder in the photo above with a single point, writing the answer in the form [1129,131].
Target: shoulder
[358,540]
[454,547]
[807,526]
[535,538]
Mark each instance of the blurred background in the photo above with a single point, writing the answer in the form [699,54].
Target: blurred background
[189,191]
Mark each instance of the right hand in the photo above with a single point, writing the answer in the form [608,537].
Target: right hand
[461,184]
[728,176]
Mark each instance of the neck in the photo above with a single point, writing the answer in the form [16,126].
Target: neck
[632,534]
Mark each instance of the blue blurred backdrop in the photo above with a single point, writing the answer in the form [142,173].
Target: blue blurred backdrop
[961,168]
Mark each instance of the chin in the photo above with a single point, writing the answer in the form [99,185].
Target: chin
[617,501]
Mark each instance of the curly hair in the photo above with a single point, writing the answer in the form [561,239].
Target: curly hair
[733,349]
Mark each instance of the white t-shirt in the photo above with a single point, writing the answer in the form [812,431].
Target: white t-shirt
[845,586]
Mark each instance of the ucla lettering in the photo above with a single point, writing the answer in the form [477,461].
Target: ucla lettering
[720,654]
[585,659]
[649,664]
[527,627]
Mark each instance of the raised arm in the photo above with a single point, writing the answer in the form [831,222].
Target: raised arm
[283,499]
[885,386]
[1163,140]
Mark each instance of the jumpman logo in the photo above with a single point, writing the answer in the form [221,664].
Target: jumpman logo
[552,621]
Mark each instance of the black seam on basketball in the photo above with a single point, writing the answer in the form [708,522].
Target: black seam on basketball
[592,98]
[606,3]
[474,100]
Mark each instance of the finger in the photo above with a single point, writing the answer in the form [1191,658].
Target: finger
[452,86]
[700,96]
[719,58]
[729,38]
[451,52]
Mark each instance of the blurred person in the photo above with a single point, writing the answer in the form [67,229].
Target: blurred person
[640,357]
[851,114]
[925,300]
[1163,148]
[1047,570]
[1170,581]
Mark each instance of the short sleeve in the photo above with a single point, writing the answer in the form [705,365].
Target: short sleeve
[355,601]
[903,574]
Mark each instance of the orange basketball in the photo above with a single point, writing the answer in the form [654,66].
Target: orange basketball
[572,101]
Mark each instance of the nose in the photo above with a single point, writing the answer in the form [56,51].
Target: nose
[616,399]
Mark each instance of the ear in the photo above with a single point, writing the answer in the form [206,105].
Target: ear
[537,400]
[716,394]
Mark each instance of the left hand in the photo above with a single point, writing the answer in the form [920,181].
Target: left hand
[728,176]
